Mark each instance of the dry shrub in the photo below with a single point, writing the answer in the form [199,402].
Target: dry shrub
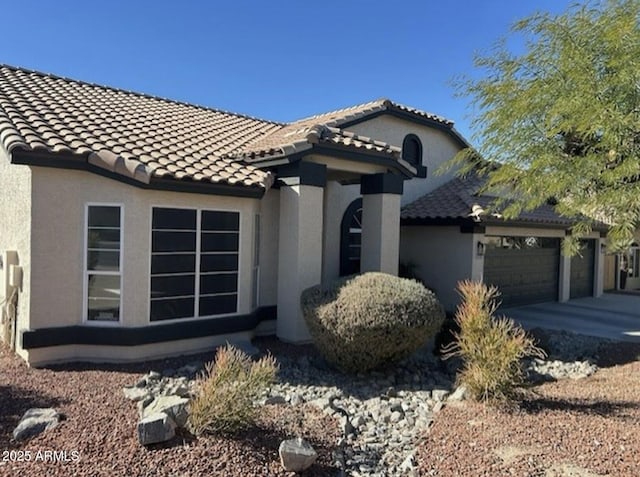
[368,321]
[491,348]
[227,390]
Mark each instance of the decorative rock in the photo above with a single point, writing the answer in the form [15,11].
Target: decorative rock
[134,393]
[275,400]
[156,428]
[296,455]
[459,394]
[439,394]
[175,407]
[35,421]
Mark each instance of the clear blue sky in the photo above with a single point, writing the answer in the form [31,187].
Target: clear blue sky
[279,60]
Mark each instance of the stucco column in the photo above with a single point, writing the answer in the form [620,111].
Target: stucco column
[300,245]
[380,250]
[564,282]
[599,259]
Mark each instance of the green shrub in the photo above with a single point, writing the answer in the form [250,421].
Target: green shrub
[227,390]
[491,348]
[367,321]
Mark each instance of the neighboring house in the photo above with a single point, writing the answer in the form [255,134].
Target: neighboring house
[136,227]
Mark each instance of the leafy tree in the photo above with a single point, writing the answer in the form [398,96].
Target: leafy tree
[562,117]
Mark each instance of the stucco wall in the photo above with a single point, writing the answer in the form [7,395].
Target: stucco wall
[15,226]
[437,148]
[442,256]
[269,223]
[59,198]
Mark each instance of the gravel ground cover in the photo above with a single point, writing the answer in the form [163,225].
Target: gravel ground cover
[100,425]
[569,428]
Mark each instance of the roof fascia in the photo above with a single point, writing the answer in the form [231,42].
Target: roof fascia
[80,162]
[415,118]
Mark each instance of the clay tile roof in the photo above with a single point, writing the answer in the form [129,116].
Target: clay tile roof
[128,133]
[294,136]
[459,199]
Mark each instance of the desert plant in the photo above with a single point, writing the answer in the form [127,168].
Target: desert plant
[227,390]
[491,348]
[366,321]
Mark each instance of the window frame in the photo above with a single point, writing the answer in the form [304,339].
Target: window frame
[255,265]
[419,164]
[198,254]
[86,272]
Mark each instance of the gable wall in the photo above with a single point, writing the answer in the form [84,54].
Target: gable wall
[437,148]
[15,225]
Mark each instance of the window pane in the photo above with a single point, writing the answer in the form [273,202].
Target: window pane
[177,285]
[171,309]
[103,260]
[173,263]
[103,297]
[218,283]
[103,309]
[103,238]
[219,242]
[219,262]
[218,305]
[212,220]
[173,242]
[164,218]
[104,216]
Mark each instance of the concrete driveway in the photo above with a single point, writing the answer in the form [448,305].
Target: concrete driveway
[611,316]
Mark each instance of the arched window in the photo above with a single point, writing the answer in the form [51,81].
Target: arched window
[350,239]
[412,153]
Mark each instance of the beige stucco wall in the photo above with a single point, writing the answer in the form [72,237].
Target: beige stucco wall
[442,257]
[15,225]
[437,147]
[58,214]
[269,223]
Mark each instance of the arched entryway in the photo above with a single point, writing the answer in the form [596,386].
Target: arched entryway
[351,239]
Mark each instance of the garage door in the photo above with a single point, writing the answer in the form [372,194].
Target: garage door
[582,270]
[525,269]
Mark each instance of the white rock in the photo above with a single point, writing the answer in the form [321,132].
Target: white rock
[296,455]
[134,393]
[35,421]
[175,407]
[156,428]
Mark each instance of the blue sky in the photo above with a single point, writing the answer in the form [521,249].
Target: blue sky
[279,60]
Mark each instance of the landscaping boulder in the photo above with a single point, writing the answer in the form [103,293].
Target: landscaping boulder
[296,455]
[175,407]
[135,393]
[35,421]
[156,428]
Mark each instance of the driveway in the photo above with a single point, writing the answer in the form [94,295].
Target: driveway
[611,316]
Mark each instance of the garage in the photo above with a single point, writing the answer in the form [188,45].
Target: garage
[582,269]
[525,269]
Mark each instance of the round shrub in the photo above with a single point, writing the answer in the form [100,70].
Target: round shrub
[367,321]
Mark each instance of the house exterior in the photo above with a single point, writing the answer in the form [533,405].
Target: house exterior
[137,227]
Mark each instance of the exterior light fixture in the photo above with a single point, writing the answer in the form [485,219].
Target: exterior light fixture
[480,246]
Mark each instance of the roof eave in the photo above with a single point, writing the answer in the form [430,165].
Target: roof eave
[121,172]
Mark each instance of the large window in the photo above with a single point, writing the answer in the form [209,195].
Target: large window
[194,263]
[103,263]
